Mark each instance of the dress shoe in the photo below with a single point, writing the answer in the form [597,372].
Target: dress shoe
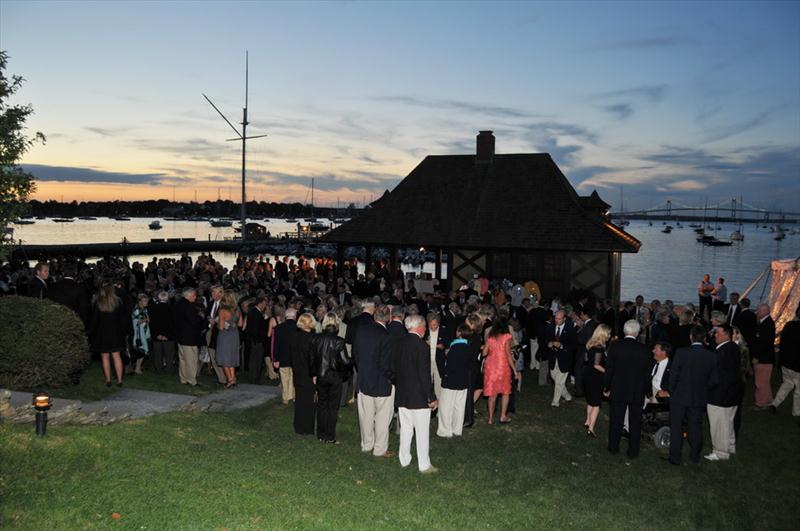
[430,470]
[389,454]
[713,456]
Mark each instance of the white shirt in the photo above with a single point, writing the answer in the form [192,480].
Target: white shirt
[433,338]
[658,374]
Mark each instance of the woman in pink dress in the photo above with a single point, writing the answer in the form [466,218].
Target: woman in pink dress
[497,367]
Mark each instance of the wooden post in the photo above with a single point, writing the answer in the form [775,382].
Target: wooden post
[339,260]
[437,271]
[367,259]
[393,265]
[450,285]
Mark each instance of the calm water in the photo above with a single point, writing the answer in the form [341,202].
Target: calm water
[668,266]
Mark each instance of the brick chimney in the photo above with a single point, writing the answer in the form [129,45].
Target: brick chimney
[485,147]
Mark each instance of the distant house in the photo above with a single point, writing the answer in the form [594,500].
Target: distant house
[510,216]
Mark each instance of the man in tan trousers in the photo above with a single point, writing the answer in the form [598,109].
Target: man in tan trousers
[282,357]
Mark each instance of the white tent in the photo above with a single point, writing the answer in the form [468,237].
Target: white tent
[783,281]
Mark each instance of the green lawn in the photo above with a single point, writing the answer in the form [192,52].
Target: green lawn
[248,470]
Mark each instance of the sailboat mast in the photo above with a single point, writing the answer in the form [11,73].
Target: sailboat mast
[244,145]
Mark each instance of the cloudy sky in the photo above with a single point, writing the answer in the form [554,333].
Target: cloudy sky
[684,100]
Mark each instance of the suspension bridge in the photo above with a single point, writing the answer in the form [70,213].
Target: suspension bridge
[729,210]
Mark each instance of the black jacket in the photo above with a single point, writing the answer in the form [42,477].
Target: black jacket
[628,371]
[727,392]
[302,356]
[692,375]
[563,355]
[284,333]
[747,323]
[355,324]
[396,329]
[161,320]
[790,346]
[73,295]
[330,355]
[37,288]
[412,368]
[256,330]
[372,353]
[188,323]
[763,346]
[454,367]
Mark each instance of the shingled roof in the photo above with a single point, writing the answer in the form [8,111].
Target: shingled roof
[517,201]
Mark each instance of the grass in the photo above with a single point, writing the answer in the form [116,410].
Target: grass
[248,470]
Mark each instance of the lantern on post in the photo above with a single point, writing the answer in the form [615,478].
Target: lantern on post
[41,402]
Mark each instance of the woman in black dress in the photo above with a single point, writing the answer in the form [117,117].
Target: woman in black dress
[108,329]
[302,359]
[593,374]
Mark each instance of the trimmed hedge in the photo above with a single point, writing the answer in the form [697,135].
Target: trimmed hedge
[42,344]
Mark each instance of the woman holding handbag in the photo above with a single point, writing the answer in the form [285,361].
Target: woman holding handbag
[141,333]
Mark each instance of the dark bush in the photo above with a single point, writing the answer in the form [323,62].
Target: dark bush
[42,344]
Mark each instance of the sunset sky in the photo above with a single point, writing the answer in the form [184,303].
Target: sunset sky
[681,100]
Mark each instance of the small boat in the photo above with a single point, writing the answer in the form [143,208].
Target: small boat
[87,218]
[679,225]
[703,238]
[695,225]
[221,223]
[121,218]
[737,236]
[779,235]
[155,225]
[713,242]
[63,220]
[291,220]
[24,222]
[650,223]
[700,230]
[339,221]
[667,229]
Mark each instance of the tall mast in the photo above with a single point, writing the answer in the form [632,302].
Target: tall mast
[244,138]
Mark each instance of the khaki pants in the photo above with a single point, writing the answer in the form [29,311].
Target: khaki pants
[451,412]
[212,353]
[560,389]
[791,379]
[287,384]
[723,439]
[374,416]
[187,364]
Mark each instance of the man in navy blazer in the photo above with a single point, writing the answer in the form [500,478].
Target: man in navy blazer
[560,343]
[372,352]
[724,398]
[692,375]
[626,380]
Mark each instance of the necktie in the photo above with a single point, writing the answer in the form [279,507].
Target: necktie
[558,332]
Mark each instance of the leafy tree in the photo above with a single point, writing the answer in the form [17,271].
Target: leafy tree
[16,185]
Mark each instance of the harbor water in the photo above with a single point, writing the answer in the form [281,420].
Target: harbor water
[668,266]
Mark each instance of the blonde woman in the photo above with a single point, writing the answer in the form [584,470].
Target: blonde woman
[108,329]
[593,375]
[228,337]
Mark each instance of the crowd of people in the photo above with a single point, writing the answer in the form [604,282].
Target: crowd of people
[402,356]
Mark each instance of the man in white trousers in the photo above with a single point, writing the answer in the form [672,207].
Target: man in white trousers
[414,394]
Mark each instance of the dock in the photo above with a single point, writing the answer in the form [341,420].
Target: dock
[156,247]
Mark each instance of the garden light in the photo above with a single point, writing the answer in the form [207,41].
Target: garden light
[41,402]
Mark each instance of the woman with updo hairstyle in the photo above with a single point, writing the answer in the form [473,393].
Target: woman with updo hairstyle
[228,337]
